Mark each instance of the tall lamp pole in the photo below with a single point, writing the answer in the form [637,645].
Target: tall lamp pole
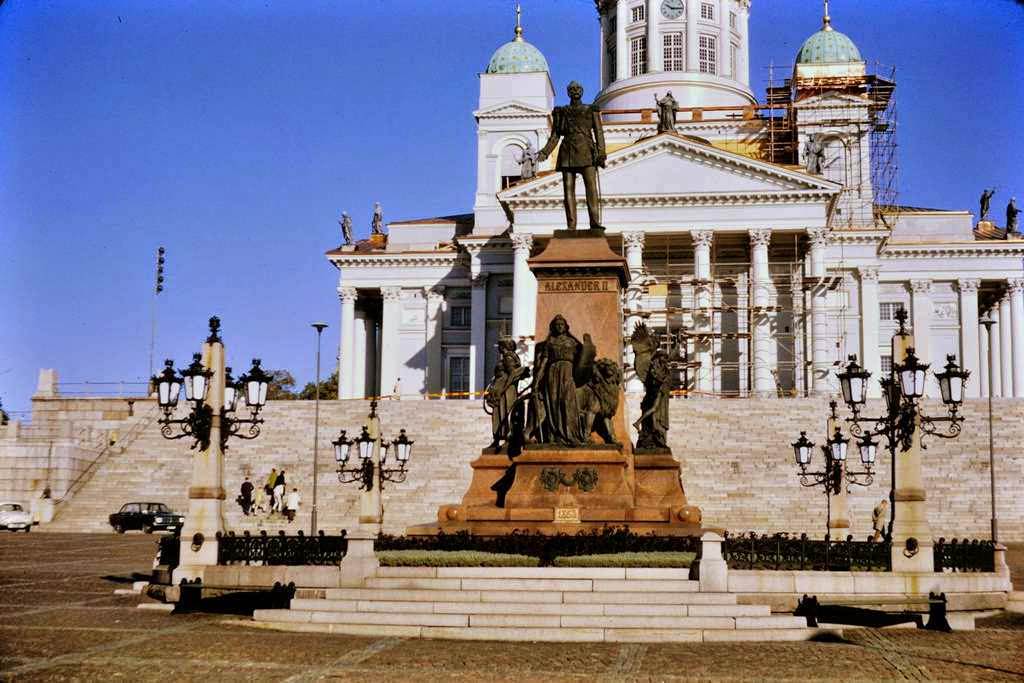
[319,327]
[988,323]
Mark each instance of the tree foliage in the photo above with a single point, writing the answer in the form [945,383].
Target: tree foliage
[282,388]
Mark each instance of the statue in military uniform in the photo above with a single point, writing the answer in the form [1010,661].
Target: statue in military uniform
[578,125]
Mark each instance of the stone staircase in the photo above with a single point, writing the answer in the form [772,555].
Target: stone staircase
[526,604]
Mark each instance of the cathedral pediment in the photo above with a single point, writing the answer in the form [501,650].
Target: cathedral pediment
[512,109]
[670,169]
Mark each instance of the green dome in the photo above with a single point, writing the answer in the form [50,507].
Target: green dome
[517,57]
[828,46]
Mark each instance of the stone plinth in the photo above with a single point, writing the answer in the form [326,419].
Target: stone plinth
[581,278]
[551,488]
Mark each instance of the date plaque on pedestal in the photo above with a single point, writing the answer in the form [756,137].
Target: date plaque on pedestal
[567,516]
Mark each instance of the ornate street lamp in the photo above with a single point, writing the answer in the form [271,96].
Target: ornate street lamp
[196,380]
[802,448]
[835,472]
[902,390]
[854,383]
[362,473]
[256,383]
[951,382]
[230,391]
[911,373]
[365,472]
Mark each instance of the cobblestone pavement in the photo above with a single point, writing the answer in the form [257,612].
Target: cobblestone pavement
[59,620]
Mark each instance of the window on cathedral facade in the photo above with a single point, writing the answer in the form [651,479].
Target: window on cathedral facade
[460,316]
[887,310]
[638,13]
[511,168]
[707,11]
[732,20]
[886,364]
[458,374]
[733,59]
[674,52]
[708,54]
[638,56]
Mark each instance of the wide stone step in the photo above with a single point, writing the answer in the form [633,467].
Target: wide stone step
[273,619]
[531,620]
[536,584]
[551,596]
[530,608]
[534,573]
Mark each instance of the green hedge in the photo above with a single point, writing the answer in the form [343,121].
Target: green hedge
[451,558]
[546,547]
[628,560]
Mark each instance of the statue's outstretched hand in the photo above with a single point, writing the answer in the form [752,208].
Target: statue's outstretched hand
[601,159]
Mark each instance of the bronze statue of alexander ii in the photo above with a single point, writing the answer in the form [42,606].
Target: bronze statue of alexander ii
[578,125]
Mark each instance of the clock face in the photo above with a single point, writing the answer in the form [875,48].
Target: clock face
[672,9]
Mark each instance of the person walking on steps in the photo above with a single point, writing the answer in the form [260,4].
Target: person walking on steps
[279,492]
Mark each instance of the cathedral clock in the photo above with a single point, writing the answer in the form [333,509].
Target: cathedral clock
[672,9]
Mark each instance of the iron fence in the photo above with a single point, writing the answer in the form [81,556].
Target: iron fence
[281,549]
[964,555]
[782,551]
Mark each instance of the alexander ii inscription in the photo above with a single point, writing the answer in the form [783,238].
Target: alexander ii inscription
[577,286]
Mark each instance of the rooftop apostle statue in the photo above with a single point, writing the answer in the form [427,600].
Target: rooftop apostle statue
[667,108]
[377,224]
[346,227]
[578,125]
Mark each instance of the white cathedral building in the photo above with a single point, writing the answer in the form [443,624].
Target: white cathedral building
[764,234]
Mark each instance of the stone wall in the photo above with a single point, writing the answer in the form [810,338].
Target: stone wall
[736,457]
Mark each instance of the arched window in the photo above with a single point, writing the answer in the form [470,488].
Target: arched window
[511,169]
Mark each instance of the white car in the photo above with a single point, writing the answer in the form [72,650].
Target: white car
[14,518]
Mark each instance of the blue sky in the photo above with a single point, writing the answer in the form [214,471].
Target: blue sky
[234,133]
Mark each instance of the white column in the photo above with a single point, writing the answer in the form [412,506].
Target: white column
[796,287]
[983,360]
[478,334]
[692,55]
[996,356]
[871,359]
[921,310]
[724,40]
[743,328]
[621,45]
[759,239]
[602,51]
[524,288]
[391,318]
[970,358]
[1005,346]
[434,336]
[702,317]
[633,242]
[346,352]
[1017,334]
[743,63]
[654,46]
[819,318]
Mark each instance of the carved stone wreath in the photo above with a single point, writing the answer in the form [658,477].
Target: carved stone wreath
[585,478]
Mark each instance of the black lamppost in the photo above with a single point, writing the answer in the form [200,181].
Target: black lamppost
[903,389]
[835,472]
[987,323]
[196,381]
[319,327]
